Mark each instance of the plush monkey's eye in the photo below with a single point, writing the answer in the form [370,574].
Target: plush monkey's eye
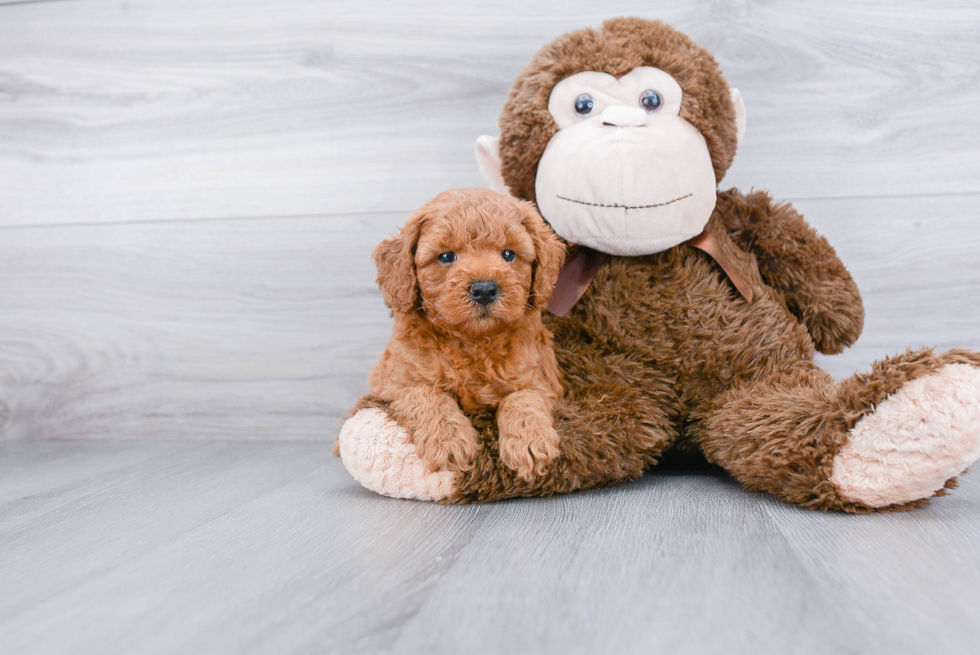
[651,100]
[508,255]
[584,104]
[447,257]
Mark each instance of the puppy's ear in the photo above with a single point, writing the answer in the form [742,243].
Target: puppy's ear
[549,255]
[395,258]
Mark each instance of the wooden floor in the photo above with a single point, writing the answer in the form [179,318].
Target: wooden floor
[230,547]
[189,193]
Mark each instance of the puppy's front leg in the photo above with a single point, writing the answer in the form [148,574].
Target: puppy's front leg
[528,441]
[443,436]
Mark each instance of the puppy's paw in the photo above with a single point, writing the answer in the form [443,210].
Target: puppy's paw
[444,438]
[450,444]
[529,452]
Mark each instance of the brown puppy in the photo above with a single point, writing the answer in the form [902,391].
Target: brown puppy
[466,279]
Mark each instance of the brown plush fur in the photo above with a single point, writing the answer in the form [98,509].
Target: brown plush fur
[449,354]
[662,351]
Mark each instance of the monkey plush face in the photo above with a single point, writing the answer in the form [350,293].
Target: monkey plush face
[624,174]
[619,135]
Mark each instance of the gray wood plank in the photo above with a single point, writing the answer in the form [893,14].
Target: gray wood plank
[273,548]
[266,329]
[44,477]
[135,508]
[911,578]
[240,329]
[147,110]
[674,564]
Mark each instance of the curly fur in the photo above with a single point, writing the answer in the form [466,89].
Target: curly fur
[449,354]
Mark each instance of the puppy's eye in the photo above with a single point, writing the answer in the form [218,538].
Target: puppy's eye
[447,257]
[650,100]
[508,255]
[584,104]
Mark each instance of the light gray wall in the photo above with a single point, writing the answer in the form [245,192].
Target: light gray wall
[189,191]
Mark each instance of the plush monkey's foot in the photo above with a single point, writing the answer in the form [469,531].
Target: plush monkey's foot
[379,454]
[915,441]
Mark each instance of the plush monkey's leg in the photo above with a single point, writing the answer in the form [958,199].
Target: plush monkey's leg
[609,433]
[379,454]
[888,439]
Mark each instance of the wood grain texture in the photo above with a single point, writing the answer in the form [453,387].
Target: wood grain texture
[893,574]
[149,110]
[231,329]
[266,329]
[273,548]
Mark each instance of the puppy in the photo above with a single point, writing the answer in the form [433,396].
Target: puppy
[466,279]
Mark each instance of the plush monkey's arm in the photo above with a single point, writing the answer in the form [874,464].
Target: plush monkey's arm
[799,262]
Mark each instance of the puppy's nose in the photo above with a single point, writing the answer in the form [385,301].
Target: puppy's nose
[484,291]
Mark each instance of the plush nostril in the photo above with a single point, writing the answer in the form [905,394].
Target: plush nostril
[484,291]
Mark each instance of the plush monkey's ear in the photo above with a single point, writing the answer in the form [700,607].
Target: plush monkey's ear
[549,255]
[488,159]
[739,114]
[395,258]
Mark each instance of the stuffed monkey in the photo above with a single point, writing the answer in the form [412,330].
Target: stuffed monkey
[687,317]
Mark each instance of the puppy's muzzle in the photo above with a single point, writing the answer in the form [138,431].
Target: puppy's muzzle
[484,292]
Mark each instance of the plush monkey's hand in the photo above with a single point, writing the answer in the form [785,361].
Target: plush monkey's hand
[800,263]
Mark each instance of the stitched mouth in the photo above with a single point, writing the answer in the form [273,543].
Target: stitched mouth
[618,206]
